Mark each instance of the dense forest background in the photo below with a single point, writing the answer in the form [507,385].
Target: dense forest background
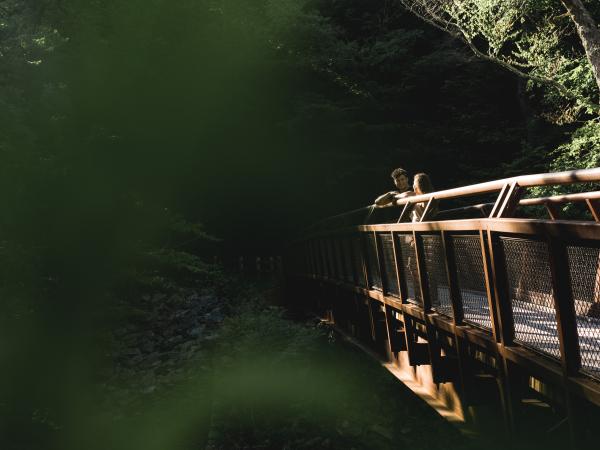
[140,138]
[254,118]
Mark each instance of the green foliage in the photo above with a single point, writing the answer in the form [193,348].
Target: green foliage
[282,384]
[582,152]
[535,39]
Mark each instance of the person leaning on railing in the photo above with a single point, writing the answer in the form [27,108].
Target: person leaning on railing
[422,185]
[400,179]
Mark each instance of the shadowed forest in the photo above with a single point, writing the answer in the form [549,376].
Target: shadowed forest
[139,140]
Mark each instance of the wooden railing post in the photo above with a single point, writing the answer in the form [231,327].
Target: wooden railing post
[400,273]
[367,299]
[567,326]
[455,296]
[502,302]
[422,273]
[501,311]
[564,306]
[379,262]
[433,346]
[384,287]
[489,285]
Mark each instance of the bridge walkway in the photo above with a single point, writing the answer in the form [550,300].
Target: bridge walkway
[500,305]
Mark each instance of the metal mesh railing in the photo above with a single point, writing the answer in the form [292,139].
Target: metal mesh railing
[317,257]
[346,245]
[372,263]
[339,258]
[388,258]
[322,257]
[470,276]
[531,294]
[584,268]
[436,274]
[408,269]
[309,266]
[357,260]
[329,256]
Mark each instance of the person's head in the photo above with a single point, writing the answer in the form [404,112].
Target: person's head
[400,178]
[422,184]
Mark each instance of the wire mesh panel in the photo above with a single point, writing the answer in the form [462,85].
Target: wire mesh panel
[316,257]
[338,253]
[386,245]
[408,268]
[372,264]
[326,258]
[323,257]
[436,274]
[531,295]
[307,259]
[357,260]
[584,268]
[345,251]
[333,274]
[470,277]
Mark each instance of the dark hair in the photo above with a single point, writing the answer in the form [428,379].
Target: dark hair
[423,181]
[399,172]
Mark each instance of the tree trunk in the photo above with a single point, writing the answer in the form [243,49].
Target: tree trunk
[588,33]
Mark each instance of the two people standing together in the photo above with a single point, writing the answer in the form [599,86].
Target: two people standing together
[421,185]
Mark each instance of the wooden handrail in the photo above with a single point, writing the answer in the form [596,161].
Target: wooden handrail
[524,181]
[558,199]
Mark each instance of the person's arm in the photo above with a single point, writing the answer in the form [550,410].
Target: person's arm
[404,194]
[385,199]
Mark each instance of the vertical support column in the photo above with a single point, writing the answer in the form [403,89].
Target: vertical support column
[490,285]
[397,338]
[333,257]
[378,262]
[565,307]
[502,308]
[502,318]
[329,254]
[455,297]
[432,345]
[567,325]
[354,311]
[462,360]
[421,272]
[367,299]
[399,279]
[389,329]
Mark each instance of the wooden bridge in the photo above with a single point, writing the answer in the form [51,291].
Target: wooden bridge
[485,305]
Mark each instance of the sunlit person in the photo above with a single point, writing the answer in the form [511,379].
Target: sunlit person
[400,179]
[422,185]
